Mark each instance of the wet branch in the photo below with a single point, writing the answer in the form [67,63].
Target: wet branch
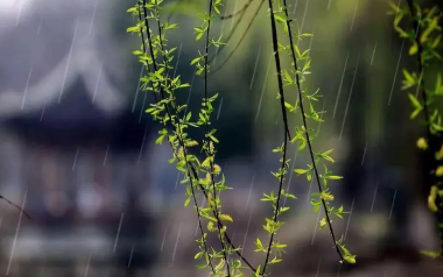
[240,41]
[154,63]
[214,209]
[424,95]
[240,11]
[191,168]
[432,139]
[308,139]
[285,127]
[230,35]
[16,206]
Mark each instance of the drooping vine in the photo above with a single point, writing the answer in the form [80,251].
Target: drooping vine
[170,113]
[304,135]
[419,25]
[206,177]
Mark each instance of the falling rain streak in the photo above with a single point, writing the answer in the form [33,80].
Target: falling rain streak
[11,256]
[305,12]
[87,266]
[314,233]
[364,154]
[68,61]
[373,198]
[97,83]
[43,111]
[74,163]
[176,243]
[130,256]
[349,219]
[137,90]
[27,88]
[163,240]
[106,155]
[118,232]
[219,108]
[93,16]
[392,206]
[255,67]
[396,72]
[265,82]
[355,13]
[247,230]
[250,191]
[373,53]
[349,98]
[340,87]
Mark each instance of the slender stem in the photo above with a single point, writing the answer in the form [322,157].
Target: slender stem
[424,95]
[432,139]
[16,206]
[144,42]
[208,30]
[285,128]
[234,50]
[230,35]
[189,165]
[214,191]
[180,140]
[239,11]
[308,139]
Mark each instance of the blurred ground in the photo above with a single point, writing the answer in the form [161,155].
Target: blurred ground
[88,251]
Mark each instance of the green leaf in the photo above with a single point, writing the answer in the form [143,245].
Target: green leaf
[395,7]
[350,259]
[432,254]
[225,217]
[187,201]
[198,255]
[307,65]
[415,113]
[196,60]
[413,49]
[323,223]
[415,101]
[301,171]
[409,80]
[159,140]
[334,177]
[259,245]
[214,139]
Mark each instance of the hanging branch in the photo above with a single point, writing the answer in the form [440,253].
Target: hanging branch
[283,150]
[305,125]
[242,10]
[425,36]
[234,50]
[180,154]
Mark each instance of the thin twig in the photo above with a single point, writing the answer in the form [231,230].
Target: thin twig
[285,127]
[424,95]
[22,210]
[144,41]
[179,135]
[240,41]
[176,6]
[191,166]
[241,10]
[431,138]
[230,35]
[215,209]
[308,139]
